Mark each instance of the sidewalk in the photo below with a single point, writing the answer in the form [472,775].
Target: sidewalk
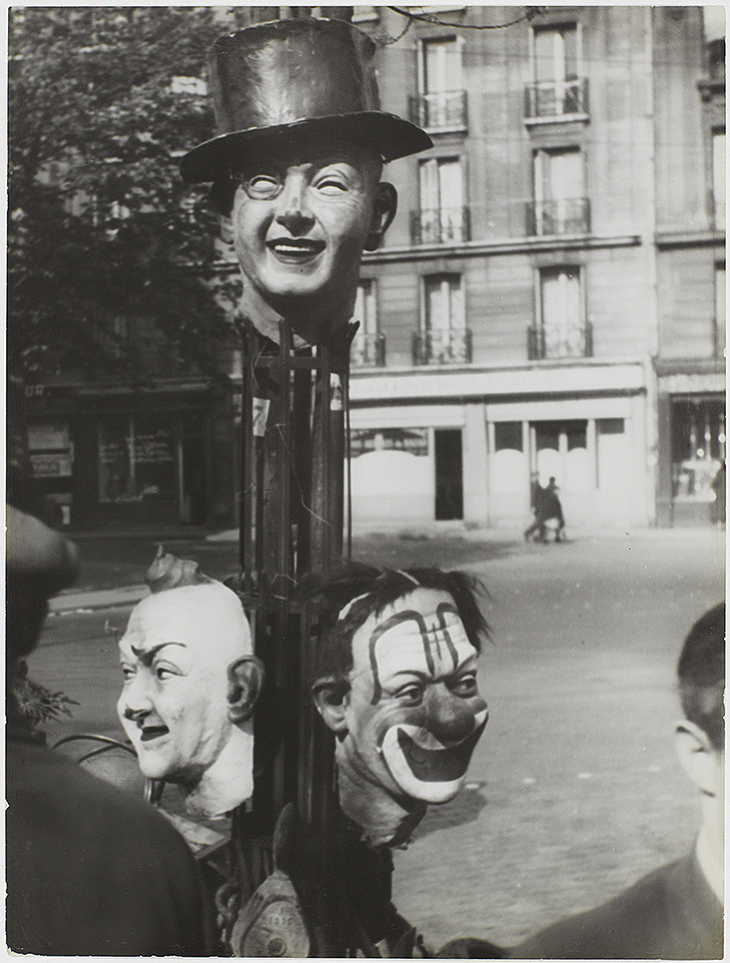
[76,601]
[376,543]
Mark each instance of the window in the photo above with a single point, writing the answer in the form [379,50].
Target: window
[508,435]
[557,87]
[698,447]
[365,14]
[443,337]
[559,206]
[720,309]
[556,53]
[368,348]
[444,304]
[51,449]
[562,332]
[718,177]
[136,458]
[442,104]
[442,217]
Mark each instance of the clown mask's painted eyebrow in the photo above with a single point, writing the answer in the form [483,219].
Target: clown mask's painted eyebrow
[147,656]
[430,636]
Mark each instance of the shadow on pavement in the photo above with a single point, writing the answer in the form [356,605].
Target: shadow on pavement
[465,808]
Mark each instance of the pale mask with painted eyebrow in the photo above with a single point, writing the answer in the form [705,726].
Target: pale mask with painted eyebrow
[174,702]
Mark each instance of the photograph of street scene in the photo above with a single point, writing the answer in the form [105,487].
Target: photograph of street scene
[366,486]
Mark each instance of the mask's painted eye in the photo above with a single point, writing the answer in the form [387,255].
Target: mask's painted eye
[331,185]
[128,672]
[465,686]
[411,694]
[262,187]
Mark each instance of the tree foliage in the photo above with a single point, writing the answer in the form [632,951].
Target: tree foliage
[101,226]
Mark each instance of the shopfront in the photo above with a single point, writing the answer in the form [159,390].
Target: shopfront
[692,447]
[122,459]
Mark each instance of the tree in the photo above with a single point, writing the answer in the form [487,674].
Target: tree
[102,103]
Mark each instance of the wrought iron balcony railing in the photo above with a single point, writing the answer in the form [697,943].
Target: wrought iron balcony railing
[368,350]
[556,98]
[574,341]
[566,216]
[445,225]
[450,346]
[443,110]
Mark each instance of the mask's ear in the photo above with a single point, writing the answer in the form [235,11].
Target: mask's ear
[226,228]
[245,681]
[384,208]
[332,699]
[699,758]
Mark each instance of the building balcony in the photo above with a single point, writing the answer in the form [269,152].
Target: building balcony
[448,346]
[556,100]
[368,351]
[544,343]
[444,110]
[567,216]
[445,225]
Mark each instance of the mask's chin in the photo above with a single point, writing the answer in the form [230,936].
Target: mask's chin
[423,767]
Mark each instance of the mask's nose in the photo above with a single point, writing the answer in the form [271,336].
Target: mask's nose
[293,208]
[135,715]
[450,718]
[135,704]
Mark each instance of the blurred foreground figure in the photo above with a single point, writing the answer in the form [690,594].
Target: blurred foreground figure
[676,912]
[190,684]
[90,870]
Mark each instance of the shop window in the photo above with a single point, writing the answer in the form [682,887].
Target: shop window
[411,440]
[51,449]
[136,458]
[698,447]
[508,434]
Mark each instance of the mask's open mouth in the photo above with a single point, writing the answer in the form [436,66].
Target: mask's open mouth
[295,248]
[153,732]
[438,765]
[423,767]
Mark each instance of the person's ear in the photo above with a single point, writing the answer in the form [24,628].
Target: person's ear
[384,208]
[245,681]
[332,699]
[226,228]
[699,758]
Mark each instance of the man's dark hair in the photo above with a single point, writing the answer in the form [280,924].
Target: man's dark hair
[701,673]
[373,589]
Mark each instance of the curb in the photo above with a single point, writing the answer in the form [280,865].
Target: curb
[97,599]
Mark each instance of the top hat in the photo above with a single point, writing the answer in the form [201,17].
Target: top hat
[302,76]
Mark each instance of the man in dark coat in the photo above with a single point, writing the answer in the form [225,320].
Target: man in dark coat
[90,870]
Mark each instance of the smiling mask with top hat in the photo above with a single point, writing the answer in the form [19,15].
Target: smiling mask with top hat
[296,168]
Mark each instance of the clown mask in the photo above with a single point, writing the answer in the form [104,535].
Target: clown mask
[413,714]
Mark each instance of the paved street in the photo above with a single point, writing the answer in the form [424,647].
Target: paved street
[574,790]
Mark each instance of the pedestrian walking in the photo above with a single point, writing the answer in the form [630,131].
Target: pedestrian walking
[546,507]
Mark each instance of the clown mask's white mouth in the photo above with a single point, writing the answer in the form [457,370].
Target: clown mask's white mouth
[423,767]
